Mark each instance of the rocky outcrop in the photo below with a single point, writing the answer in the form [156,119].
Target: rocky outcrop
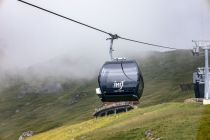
[77,97]
[194,100]
[26,134]
[150,136]
[54,87]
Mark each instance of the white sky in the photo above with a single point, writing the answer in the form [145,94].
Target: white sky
[29,36]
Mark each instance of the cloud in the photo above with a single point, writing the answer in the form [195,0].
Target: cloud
[4,63]
[34,37]
[1,1]
[1,55]
[2,52]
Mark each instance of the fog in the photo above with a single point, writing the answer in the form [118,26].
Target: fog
[1,1]
[44,44]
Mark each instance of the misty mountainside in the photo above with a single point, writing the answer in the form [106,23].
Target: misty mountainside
[60,69]
[30,102]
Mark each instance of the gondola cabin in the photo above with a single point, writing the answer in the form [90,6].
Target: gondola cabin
[120,80]
[199,82]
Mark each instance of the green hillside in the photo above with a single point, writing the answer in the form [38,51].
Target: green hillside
[166,121]
[163,74]
[73,107]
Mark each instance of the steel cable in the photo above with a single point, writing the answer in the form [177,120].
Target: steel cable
[113,36]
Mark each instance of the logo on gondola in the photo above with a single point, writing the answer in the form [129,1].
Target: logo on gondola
[118,84]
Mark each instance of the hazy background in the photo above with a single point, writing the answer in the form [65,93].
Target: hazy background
[33,39]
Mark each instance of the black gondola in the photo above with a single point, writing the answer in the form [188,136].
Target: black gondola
[120,80]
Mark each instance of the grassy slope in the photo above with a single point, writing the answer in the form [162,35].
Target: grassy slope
[41,112]
[167,121]
[163,72]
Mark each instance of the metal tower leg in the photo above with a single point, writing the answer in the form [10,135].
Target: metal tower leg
[206,74]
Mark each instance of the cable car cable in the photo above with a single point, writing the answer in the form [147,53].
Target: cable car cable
[113,36]
[146,43]
[64,17]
